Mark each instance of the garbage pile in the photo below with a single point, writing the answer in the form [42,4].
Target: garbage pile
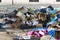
[47,18]
[27,18]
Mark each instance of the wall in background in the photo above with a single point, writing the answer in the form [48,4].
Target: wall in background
[27,2]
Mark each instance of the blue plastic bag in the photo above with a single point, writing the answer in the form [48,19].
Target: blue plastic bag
[52,33]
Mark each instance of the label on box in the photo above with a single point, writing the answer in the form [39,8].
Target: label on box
[26,37]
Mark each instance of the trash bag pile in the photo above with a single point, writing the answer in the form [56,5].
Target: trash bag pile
[27,18]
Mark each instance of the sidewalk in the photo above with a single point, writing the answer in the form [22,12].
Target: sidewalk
[4,36]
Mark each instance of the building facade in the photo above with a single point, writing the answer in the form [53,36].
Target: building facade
[29,1]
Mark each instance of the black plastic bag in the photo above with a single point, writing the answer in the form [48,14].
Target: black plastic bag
[50,7]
